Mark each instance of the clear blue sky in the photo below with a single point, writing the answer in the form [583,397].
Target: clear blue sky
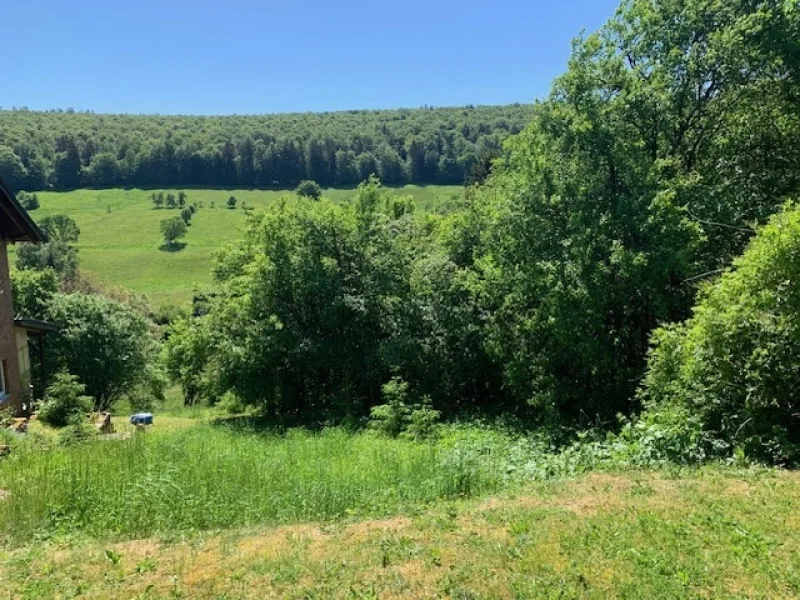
[264,56]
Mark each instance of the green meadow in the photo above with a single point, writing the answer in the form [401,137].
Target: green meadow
[120,239]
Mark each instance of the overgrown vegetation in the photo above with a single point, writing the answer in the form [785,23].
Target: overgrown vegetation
[734,365]
[211,477]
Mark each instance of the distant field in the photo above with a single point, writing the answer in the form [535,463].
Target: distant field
[120,236]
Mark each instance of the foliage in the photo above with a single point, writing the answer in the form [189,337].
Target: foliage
[427,145]
[309,189]
[635,176]
[60,228]
[188,349]
[56,253]
[733,364]
[32,291]
[28,201]
[107,344]
[396,417]
[186,215]
[173,229]
[232,202]
[305,317]
[64,402]
[392,417]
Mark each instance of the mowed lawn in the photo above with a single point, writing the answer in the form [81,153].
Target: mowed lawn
[120,237]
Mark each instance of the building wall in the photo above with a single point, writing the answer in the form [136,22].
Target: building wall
[8,338]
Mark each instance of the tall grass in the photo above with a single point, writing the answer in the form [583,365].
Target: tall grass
[208,478]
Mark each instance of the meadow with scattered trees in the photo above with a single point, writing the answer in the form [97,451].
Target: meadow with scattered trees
[617,291]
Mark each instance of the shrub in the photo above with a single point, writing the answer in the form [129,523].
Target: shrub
[28,201]
[186,215]
[232,202]
[309,189]
[65,402]
[391,417]
[733,364]
[396,418]
[75,433]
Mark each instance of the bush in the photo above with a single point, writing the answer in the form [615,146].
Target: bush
[28,201]
[391,418]
[733,364]
[76,433]
[396,418]
[309,189]
[65,402]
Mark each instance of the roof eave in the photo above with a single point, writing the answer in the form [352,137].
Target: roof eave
[31,232]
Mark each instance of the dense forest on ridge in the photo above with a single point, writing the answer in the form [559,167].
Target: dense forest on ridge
[66,149]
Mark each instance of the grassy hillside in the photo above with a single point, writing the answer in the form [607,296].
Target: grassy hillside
[120,236]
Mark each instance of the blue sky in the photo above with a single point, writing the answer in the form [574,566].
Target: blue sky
[251,56]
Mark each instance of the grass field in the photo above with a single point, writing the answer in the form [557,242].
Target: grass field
[194,509]
[120,237]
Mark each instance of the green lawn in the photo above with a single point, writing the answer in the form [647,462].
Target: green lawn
[120,236]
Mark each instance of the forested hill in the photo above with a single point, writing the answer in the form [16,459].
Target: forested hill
[67,149]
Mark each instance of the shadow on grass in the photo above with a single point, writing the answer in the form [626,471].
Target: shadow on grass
[272,425]
[173,247]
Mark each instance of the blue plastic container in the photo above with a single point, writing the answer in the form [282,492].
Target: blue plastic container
[142,419]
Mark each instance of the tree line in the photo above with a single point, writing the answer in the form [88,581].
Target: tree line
[66,150]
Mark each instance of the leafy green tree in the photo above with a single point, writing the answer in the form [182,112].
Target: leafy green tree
[173,229]
[104,170]
[67,167]
[733,364]
[188,351]
[186,215]
[170,201]
[32,291]
[612,202]
[106,344]
[309,189]
[12,169]
[182,198]
[232,202]
[60,228]
[158,200]
[304,324]
[28,201]
[57,253]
